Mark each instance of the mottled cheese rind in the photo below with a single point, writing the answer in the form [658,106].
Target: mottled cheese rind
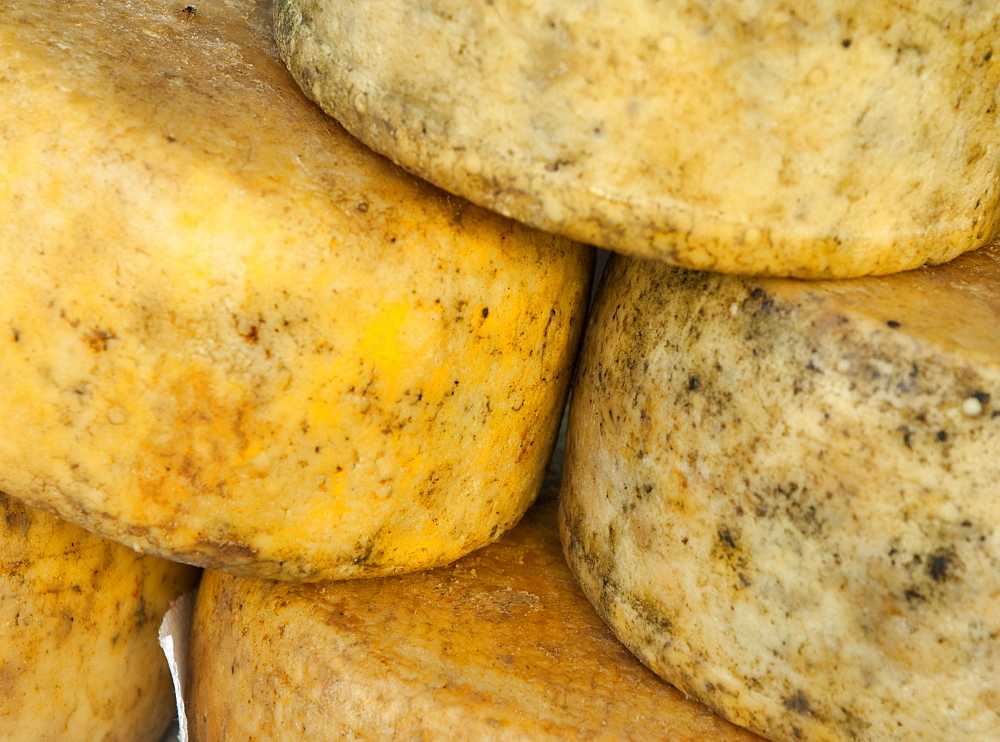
[232,335]
[783,495]
[79,658]
[817,139]
[500,645]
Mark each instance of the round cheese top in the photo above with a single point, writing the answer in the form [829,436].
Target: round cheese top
[234,336]
[783,495]
[79,658]
[500,645]
[825,139]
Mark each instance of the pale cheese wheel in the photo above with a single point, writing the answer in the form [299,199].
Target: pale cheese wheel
[828,139]
[234,336]
[79,657]
[500,645]
[784,496]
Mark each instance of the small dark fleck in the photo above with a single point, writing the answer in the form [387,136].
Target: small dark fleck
[171,139]
[486,312]
[941,435]
[647,488]
[988,56]
[845,43]
[799,703]
[966,524]
[892,323]
[17,336]
[362,207]
[727,538]
[693,383]
[981,397]
[937,568]
[99,339]
[912,596]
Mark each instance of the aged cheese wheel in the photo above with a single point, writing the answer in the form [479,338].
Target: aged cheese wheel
[833,138]
[79,658]
[783,496]
[234,336]
[500,645]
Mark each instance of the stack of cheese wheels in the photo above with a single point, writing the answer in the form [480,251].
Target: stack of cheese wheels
[501,645]
[783,495]
[79,658]
[234,336]
[827,139]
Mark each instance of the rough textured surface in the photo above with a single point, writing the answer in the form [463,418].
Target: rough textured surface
[783,495]
[817,139]
[79,658]
[501,645]
[232,335]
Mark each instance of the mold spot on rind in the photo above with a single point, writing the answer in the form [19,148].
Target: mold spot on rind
[941,563]
[797,703]
[225,549]
[99,339]
[362,552]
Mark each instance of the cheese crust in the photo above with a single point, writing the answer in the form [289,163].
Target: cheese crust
[232,335]
[500,645]
[79,658]
[828,139]
[783,498]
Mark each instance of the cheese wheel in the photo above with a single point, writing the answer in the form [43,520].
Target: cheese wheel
[831,139]
[783,496]
[500,645]
[234,336]
[79,658]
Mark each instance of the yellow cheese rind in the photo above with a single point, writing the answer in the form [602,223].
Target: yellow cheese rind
[79,658]
[500,645]
[783,496]
[232,335]
[831,139]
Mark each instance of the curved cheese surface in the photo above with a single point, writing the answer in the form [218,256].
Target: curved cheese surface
[500,645]
[783,495]
[234,336]
[79,658]
[828,139]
